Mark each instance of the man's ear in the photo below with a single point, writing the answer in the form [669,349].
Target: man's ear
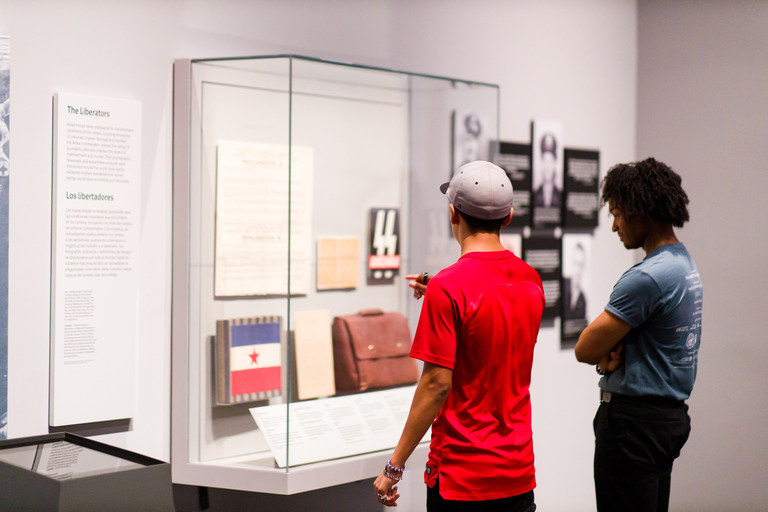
[509,217]
[454,215]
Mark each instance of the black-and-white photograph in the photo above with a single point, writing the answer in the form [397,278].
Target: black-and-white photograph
[470,138]
[547,173]
[576,250]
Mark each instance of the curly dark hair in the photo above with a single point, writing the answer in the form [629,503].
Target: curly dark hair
[647,188]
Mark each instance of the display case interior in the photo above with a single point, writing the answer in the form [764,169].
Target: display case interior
[304,192]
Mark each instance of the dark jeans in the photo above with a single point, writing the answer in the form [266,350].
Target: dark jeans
[636,441]
[520,503]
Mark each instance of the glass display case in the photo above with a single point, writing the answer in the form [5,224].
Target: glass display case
[65,472]
[304,191]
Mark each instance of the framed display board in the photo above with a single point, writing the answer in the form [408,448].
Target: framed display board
[95,235]
[304,190]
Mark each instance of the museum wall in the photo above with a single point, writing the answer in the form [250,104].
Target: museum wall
[702,104]
[573,62]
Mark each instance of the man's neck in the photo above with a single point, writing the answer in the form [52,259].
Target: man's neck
[481,242]
[661,234]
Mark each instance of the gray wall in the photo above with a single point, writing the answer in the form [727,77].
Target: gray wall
[703,109]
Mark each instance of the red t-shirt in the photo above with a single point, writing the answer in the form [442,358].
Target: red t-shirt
[481,317]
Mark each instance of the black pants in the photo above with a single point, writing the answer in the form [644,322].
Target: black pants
[520,503]
[636,441]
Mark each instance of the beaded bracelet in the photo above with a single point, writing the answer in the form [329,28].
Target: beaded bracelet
[393,469]
[599,371]
[392,476]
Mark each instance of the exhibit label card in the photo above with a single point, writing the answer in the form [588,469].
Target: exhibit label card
[254,190]
[95,231]
[330,428]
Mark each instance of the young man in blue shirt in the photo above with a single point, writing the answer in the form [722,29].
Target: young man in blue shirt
[645,343]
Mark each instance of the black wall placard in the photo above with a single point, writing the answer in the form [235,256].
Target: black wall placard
[544,254]
[582,201]
[515,159]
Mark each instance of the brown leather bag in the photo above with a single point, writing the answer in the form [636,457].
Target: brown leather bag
[370,351]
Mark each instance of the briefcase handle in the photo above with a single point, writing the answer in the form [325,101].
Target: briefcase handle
[370,312]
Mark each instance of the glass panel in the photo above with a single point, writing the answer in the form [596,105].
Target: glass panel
[440,110]
[313,192]
[238,249]
[354,121]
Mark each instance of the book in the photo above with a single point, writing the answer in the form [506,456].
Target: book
[248,359]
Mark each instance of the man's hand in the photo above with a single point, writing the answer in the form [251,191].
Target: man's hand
[600,338]
[611,361]
[419,284]
[386,490]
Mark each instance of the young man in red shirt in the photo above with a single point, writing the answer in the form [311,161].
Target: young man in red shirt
[476,334]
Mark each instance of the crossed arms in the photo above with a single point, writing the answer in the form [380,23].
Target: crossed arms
[600,343]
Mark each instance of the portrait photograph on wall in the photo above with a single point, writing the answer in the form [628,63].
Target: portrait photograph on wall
[576,251]
[470,138]
[547,173]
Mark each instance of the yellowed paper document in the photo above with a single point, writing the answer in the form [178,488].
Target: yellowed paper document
[253,186]
[338,263]
[314,354]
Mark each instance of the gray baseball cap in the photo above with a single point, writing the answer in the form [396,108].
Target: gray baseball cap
[481,190]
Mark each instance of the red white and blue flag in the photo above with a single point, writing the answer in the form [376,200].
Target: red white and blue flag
[254,358]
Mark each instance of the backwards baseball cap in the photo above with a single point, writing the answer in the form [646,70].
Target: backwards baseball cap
[481,190]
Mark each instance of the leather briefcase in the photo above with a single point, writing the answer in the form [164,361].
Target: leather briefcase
[370,351]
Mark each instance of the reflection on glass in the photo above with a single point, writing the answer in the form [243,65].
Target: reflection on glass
[63,460]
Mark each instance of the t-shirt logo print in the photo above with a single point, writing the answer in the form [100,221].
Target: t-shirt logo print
[691,341]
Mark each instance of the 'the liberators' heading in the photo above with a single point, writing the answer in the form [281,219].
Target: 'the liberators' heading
[82,111]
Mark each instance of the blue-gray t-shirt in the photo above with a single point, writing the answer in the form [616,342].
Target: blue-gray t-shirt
[661,299]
